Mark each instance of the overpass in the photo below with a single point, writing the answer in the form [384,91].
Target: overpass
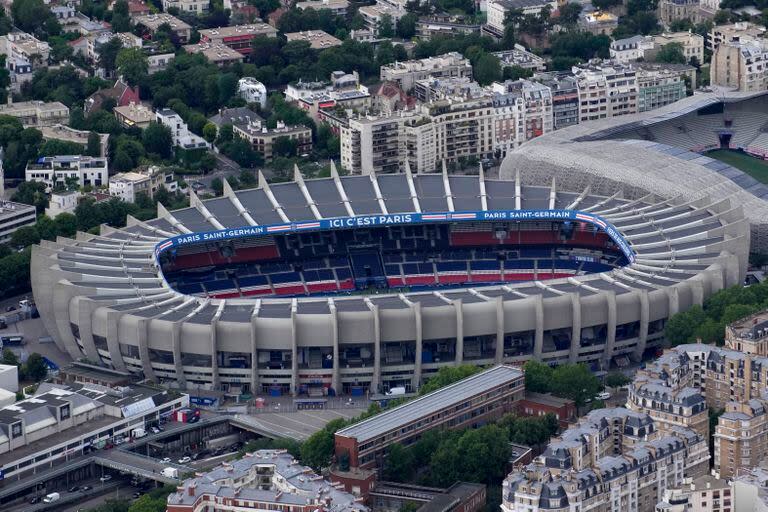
[140,465]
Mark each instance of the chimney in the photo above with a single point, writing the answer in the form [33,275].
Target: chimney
[191,489]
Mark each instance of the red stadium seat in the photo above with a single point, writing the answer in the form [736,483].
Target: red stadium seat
[452,278]
[420,280]
[323,286]
[395,281]
[290,289]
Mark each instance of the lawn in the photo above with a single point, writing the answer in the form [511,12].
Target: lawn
[755,167]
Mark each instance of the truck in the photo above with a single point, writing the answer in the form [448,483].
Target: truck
[171,473]
[138,432]
[187,415]
[50,498]
[398,391]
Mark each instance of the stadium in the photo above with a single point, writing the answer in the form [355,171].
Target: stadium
[580,252]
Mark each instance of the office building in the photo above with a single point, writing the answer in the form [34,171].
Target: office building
[57,170]
[13,216]
[36,114]
[128,185]
[262,139]
[406,74]
[238,37]
[472,401]
[614,460]
[263,480]
[63,421]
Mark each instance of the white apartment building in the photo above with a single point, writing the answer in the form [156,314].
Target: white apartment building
[252,91]
[740,32]
[498,9]
[606,91]
[62,202]
[21,48]
[128,185]
[182,137]
[522,58]
[337,7]
[55,170]
[405,74]
[36,114]
[523,111]
[631,48]
[192,6]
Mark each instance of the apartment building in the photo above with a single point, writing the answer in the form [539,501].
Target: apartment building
[238,37]
[406,74]
[692,43]
[658,86]
[521,58]
[614,460]
[22,49]
[376,143]
[56,170]
[741,65]
[337,7]
[749,335]
[67,134]
[262,139]
[188,6]
[630,49]
[263,480]
[342,90]
[472,401]
[534,103]
[134,115]
[741,437]
[128,185]
[373,16]
[565,98]
[216,53]
[36,114]
[252,91]
[182,136]
[13,216]
[606,91]
[151,22]
[740,32]
[445,24]
[703,494]
[497,10]
[317,39]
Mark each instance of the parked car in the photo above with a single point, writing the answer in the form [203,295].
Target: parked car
[185,460]
[605,395]
[166,460]
[73,489]
[154,430]
[86,488]
[105,478]
[10,308]
[34,499]
[136,495]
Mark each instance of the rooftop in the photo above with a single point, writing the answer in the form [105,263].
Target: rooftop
[239,30]
[317,39]
[214,52]
[430,403]
[153,21]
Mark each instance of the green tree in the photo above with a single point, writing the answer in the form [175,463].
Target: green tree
[209,132]
[158,140]
[25,236]
[217,186]
[538,376]
[671,53]
[576,382]
[35,367]
[94,144]
[516,73]
[569,14]
[284,146]
[66,225]
[385,28]
[406,25]
[133,65]
[31,193]
[681,327]
[107,53]
[616,380]
[10,358]
[31,16]
[487,69]
[399,463]
[317,450]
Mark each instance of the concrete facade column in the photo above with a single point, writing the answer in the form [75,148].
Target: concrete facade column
[215,379]
[254,352]
[113,326]
[142,327]
[294,355]
[84,312]
[181,379]
[336,377]
[499,357]
[459,305]
[642,340]
[376,379]
[538,336]
[610,341]
[697,291]
[573,356]
[62,294]
[416,308]
[673,296]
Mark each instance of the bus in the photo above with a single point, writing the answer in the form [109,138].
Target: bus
[12,339]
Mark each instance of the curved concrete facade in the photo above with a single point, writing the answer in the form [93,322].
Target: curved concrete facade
[102,298]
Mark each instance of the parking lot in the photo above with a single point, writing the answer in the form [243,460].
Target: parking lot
[299,424]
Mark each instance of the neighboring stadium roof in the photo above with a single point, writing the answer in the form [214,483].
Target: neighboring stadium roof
[610,157]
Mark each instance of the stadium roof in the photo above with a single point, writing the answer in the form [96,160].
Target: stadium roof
[431,403]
